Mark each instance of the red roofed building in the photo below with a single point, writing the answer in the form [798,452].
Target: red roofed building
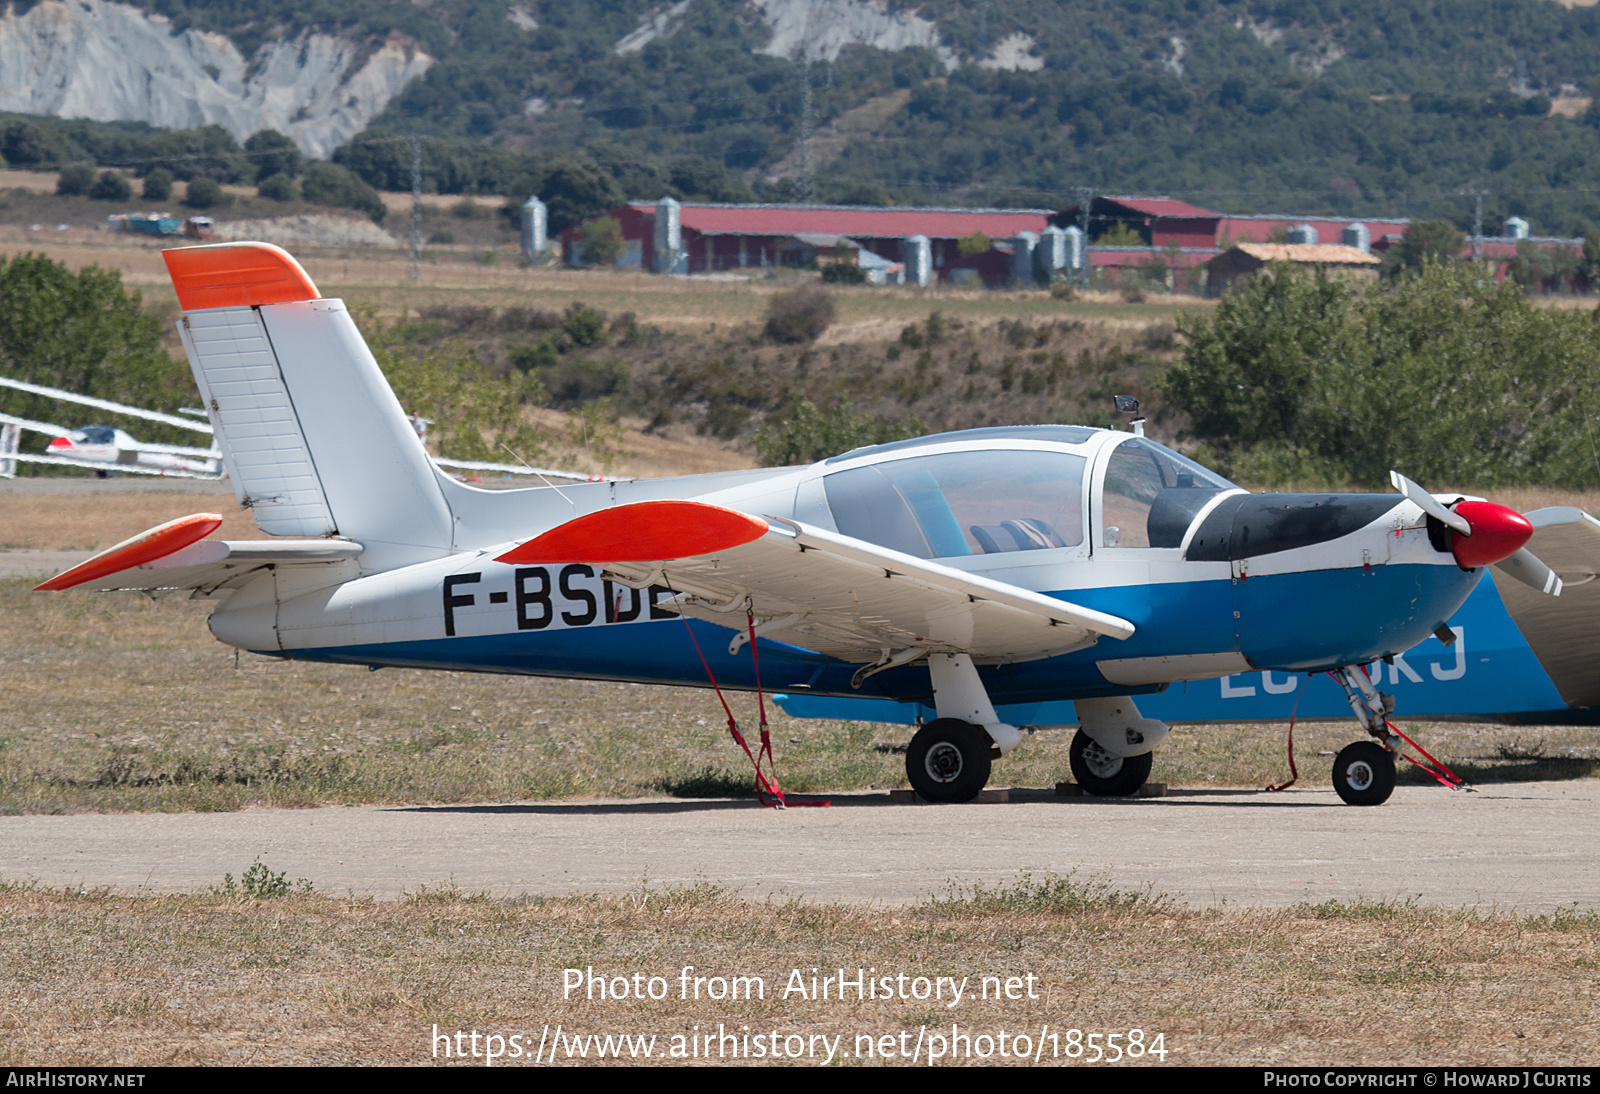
[719,237]
[1160,222]
[1260,227]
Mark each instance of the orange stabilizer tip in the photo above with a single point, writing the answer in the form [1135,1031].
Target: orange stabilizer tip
[158,542]
[236,275]
[646,531]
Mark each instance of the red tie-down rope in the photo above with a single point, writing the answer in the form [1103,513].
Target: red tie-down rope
[1433,766]
[1294,772]
[1428,763]
[767,788]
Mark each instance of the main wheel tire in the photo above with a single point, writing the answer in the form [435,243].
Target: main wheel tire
[1104,775]
[1363,773]
[948,761]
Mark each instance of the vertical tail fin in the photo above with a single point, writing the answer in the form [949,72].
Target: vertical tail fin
[311,433]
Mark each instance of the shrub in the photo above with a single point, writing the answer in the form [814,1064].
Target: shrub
[157,185]
[205,193]
[584,325]
[800,315]
[329,184]
[279,187]
[75,180]
[111,186]
[805,434]
[844,273]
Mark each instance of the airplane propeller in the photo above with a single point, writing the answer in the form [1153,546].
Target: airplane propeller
[1489,535]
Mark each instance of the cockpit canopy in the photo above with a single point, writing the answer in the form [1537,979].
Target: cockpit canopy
[996,499]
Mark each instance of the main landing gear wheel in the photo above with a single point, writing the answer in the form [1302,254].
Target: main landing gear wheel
[948,761]
[1363,773]
[1104,775]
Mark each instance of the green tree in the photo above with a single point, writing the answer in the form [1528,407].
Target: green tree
[1246,367]
[278,187]
[84,332]
[273,154]
[111,186]
[474,412]
[1443,375]
[1424,241]
[974,245]
[157,185]
[602,241]
[205,193]
[75,180]
[329,184]
[575,191]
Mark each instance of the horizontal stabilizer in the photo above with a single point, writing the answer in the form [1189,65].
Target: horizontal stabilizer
[176,556]
[142,549]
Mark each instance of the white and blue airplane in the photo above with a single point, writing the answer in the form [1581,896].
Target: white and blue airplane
[969,581]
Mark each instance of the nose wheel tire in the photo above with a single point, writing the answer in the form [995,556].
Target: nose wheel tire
[948,761]
[1104,775]
[1363,773]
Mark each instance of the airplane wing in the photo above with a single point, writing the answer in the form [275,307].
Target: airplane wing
[1564,633]
[106,404]
[119,468]
[176,557]
[839,596]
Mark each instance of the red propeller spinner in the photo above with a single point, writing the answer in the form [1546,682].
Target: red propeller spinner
[1486,534]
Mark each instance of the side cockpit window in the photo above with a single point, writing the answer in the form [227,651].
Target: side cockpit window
[963,503]
[1152,494]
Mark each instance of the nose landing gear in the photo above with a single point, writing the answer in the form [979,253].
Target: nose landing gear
[1363,772]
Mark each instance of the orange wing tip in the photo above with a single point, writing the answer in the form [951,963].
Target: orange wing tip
[158,542]
[645,531]
[235,275]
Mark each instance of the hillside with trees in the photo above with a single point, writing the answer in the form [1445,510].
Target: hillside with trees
[1344,107]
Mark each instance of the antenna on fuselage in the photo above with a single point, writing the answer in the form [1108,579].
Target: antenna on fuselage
[1127,404]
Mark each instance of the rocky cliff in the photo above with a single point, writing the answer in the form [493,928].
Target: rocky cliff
[111,62]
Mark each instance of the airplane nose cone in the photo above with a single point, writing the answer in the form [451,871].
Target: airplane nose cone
[1497,533]
[61,442]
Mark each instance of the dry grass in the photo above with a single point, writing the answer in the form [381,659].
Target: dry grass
[97,979]
[92,523]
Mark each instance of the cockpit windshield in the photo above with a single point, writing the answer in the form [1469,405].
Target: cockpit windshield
[1152,494]
[963,503]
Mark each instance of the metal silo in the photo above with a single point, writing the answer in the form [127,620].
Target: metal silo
[917,253]
[1022,248]
[669,257]
[1358,236]
[534,218]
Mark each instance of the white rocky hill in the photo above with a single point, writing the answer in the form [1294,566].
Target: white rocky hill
[112,62]
[820,29]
